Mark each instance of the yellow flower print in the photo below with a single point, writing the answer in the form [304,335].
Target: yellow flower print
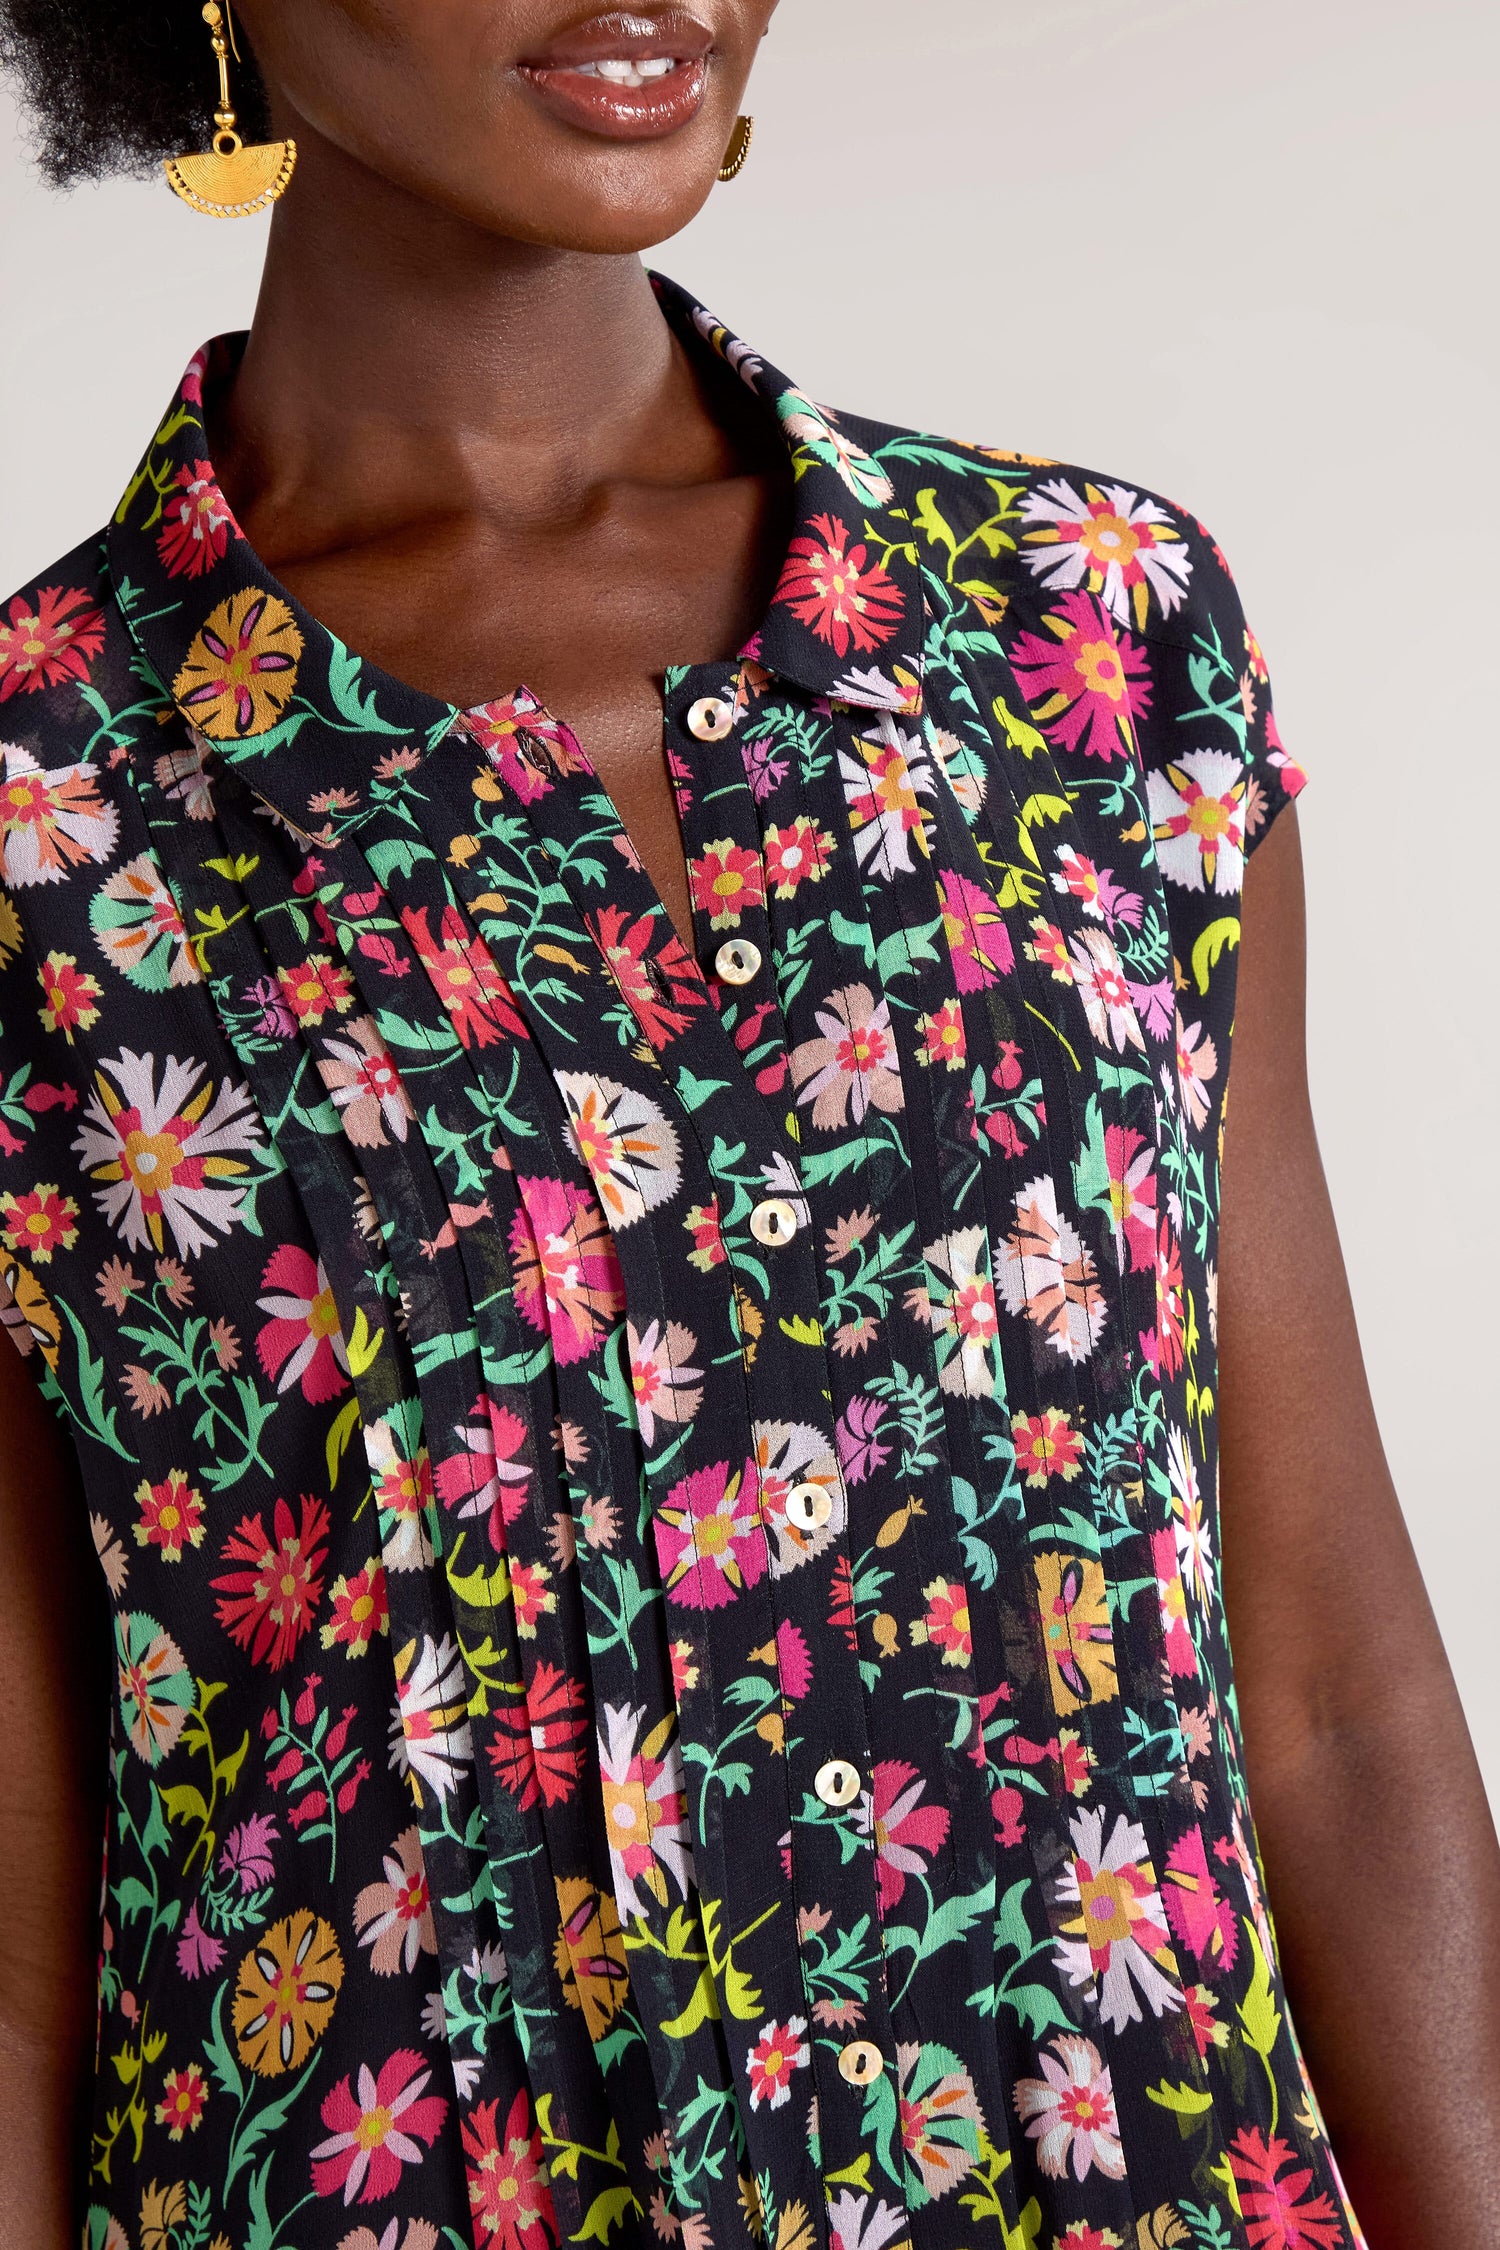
[241,671]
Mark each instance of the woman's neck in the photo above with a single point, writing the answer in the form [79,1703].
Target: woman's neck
[402,360]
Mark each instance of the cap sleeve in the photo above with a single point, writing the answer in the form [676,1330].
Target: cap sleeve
[1273,777]
[1216,771]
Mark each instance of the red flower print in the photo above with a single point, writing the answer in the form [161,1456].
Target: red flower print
[486,1481]
[196,523]
[317,988]
[301,1342]
[660,988]
[727,882]
[1278,2213]
[1088,683]
[1200,1915]
[509,2197]
[941,1032]
[906,1831]
[702,1223]
[780,2049]
[373,2132]
[479,1002]
[48,639]
[798,853]
[1047,1445]
[537,1749]
[946,1624]
[978,942]
[171,1515]
[37,1223]
[567,1278]
[184,2097]
[269,1605]
[70,996]
[530,1597]
[831,587]
[709,1537]
[358,1610]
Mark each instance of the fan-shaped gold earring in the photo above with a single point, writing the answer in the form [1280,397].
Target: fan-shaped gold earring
[230,181]
[738,149]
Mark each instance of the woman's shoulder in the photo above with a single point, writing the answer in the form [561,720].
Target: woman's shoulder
[1026,534]
[73,690]
[73,695]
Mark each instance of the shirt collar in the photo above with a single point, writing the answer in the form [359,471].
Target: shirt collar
[282,698]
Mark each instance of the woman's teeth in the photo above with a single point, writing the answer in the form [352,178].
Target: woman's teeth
[622,73]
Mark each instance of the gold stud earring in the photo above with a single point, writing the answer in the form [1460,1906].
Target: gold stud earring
[230,181]
[738,149]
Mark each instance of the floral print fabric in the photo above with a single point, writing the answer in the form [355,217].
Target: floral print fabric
[641,1720]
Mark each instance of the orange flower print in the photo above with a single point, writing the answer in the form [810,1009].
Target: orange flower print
[51,820]
[285,1992]
[241,671]
[589,1953]
[1073,1601]
[1047,1272]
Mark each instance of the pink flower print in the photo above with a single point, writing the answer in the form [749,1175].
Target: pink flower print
[853,1066]
[374,2132]
[301,1342]
[906,1832]
[567,1278]
[861,1452]
[709,1538]
[486,1481]
[198,1954]
[1132,1195]
[1202,1919]
[1086,682]
[1070,2112]
[247,1849]
[978,942]
[1182,1659]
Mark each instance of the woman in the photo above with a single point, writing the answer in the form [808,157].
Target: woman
[627,1271]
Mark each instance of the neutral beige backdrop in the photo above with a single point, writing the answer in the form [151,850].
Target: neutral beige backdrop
[1240,250]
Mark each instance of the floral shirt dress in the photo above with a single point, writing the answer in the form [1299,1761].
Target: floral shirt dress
[659,1505]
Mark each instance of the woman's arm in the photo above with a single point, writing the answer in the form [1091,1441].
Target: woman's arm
[54,1679]
[1381,1859]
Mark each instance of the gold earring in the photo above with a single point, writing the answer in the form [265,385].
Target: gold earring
[230,181]
[738,149]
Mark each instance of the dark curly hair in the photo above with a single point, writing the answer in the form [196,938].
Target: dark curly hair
[116,85]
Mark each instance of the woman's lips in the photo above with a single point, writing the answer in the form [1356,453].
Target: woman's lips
[624,77]
[615,110]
